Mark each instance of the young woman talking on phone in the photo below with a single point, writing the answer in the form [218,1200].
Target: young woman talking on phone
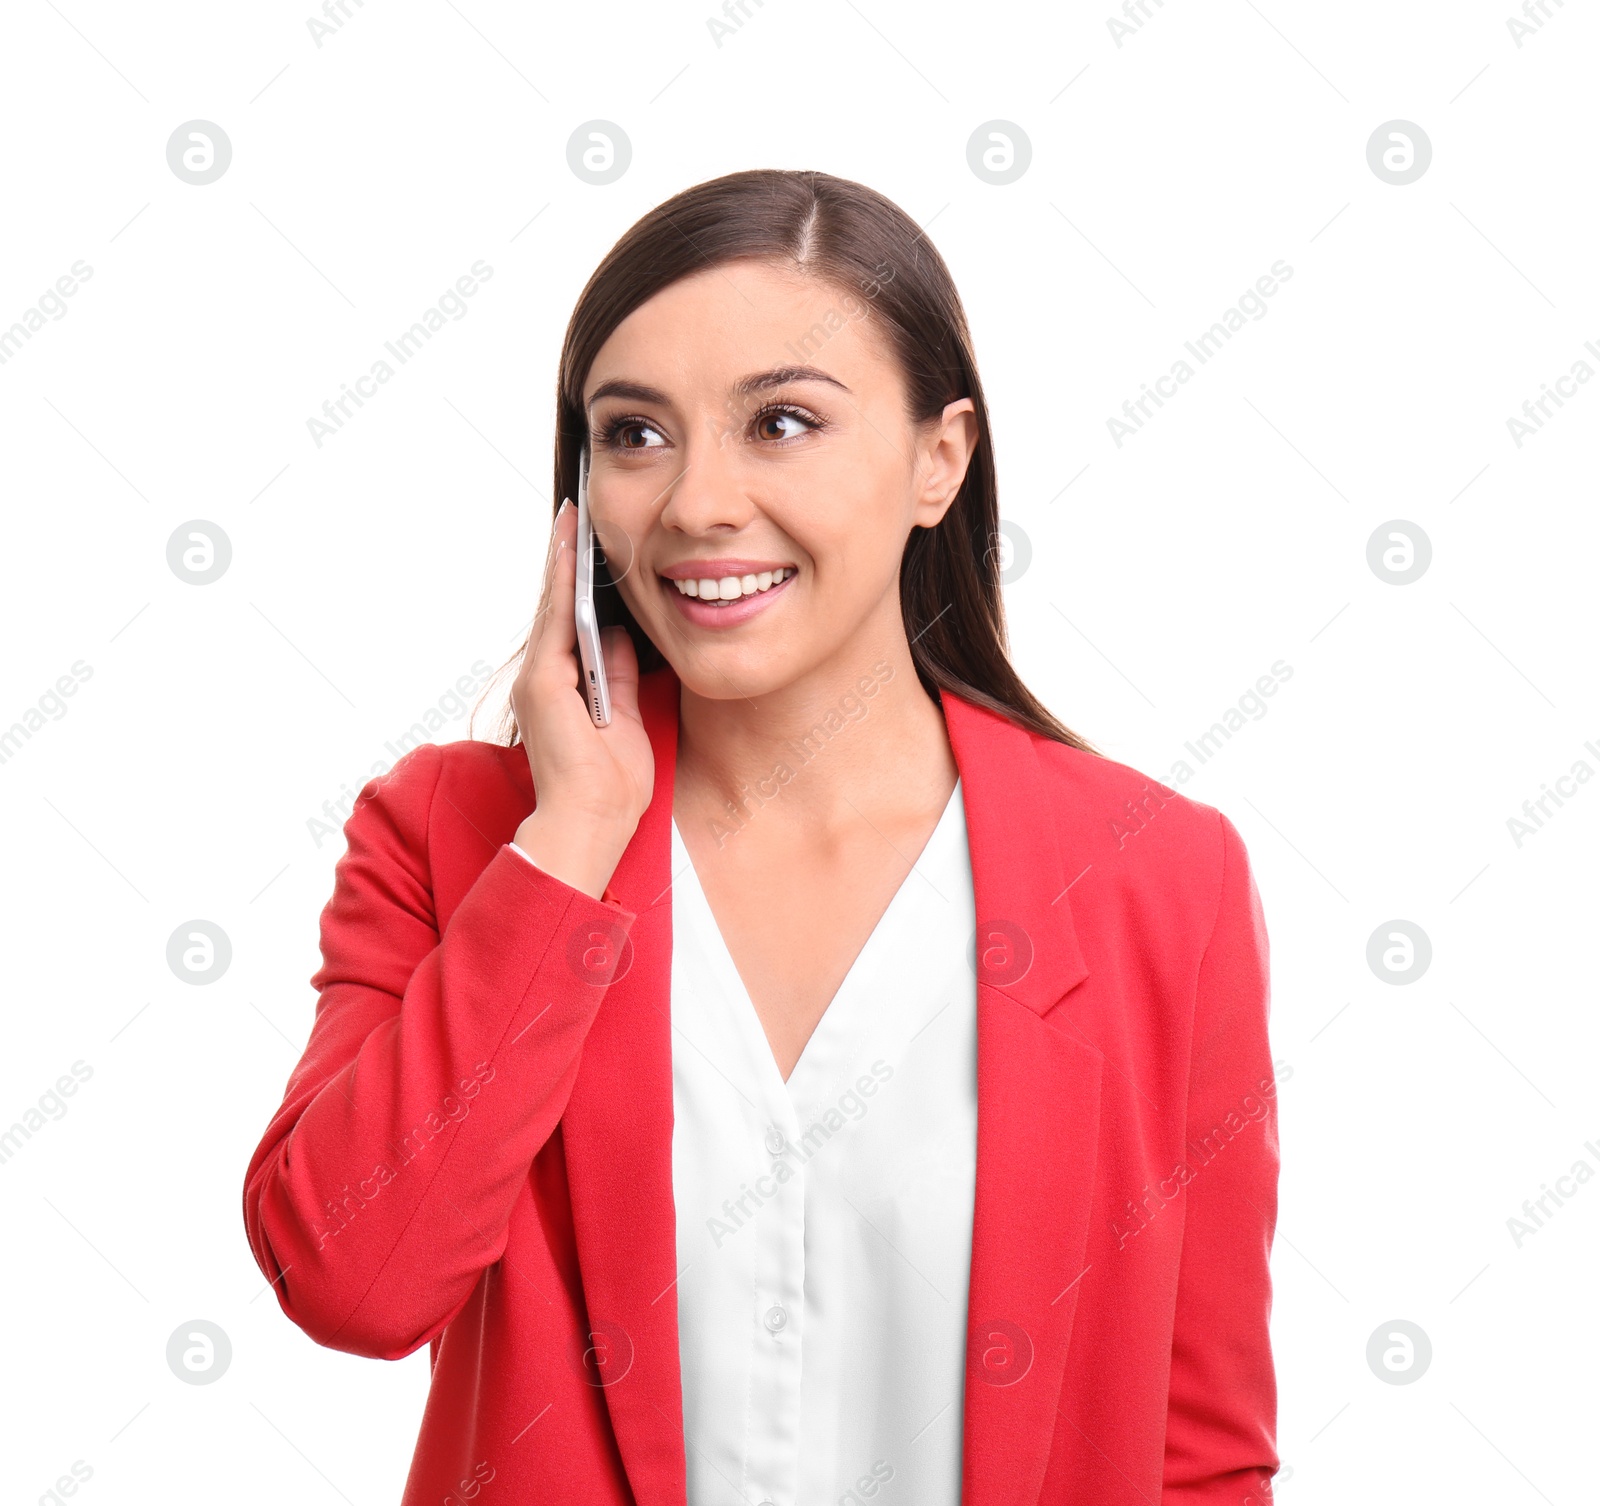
[830,1080]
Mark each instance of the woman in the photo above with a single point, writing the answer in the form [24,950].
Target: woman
[831,1080]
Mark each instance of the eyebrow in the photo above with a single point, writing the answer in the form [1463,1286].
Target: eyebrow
[761,381]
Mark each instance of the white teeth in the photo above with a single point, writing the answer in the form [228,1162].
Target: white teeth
[732,587]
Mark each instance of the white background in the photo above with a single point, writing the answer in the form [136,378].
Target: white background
[1167,574]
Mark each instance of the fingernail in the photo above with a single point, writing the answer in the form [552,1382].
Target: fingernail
[561,511]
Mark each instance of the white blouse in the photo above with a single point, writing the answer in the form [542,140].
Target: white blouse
[824,1224]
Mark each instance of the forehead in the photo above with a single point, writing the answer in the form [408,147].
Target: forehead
[707,330]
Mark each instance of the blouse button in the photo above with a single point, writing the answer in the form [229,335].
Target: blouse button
[776,1318]
[775,1140]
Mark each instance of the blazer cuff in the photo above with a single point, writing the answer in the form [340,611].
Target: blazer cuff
[608,896]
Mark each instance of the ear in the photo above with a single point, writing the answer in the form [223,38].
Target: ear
[944,450]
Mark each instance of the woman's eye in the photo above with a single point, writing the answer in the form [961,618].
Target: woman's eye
[775,425]
[624,435]
[800,425]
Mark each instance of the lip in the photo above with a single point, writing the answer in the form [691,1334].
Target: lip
[735,612]
[717,568]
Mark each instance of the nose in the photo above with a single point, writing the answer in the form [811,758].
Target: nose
[709,494]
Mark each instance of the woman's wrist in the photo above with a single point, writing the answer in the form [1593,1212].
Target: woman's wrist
[583,854]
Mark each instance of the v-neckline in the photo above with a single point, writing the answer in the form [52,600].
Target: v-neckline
[721,957]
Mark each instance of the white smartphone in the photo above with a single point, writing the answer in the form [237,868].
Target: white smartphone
[590,656]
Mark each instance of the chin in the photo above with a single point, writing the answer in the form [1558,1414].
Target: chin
[729,671]
[744,674]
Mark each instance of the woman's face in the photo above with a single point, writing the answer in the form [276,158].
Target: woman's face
[749,422]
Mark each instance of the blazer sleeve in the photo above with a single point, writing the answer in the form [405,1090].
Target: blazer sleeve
[438,1065]
[1222,1399]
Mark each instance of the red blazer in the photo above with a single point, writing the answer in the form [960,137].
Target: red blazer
[474,1152]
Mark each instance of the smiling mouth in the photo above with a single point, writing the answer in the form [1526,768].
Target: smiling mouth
[724,590]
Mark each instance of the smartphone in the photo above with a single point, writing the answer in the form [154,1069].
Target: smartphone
[590,657]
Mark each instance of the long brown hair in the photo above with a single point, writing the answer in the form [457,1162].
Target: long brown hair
[853,237]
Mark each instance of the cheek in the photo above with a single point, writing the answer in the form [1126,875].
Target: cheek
[618,532]
[857,552]
[641,593]
[834,520]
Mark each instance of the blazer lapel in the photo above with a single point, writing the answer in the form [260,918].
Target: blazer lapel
[1038,1114]
[617,1132]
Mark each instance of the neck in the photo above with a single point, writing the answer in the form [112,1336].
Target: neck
[856,734]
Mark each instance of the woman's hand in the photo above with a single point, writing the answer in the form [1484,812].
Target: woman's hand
[592,784]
